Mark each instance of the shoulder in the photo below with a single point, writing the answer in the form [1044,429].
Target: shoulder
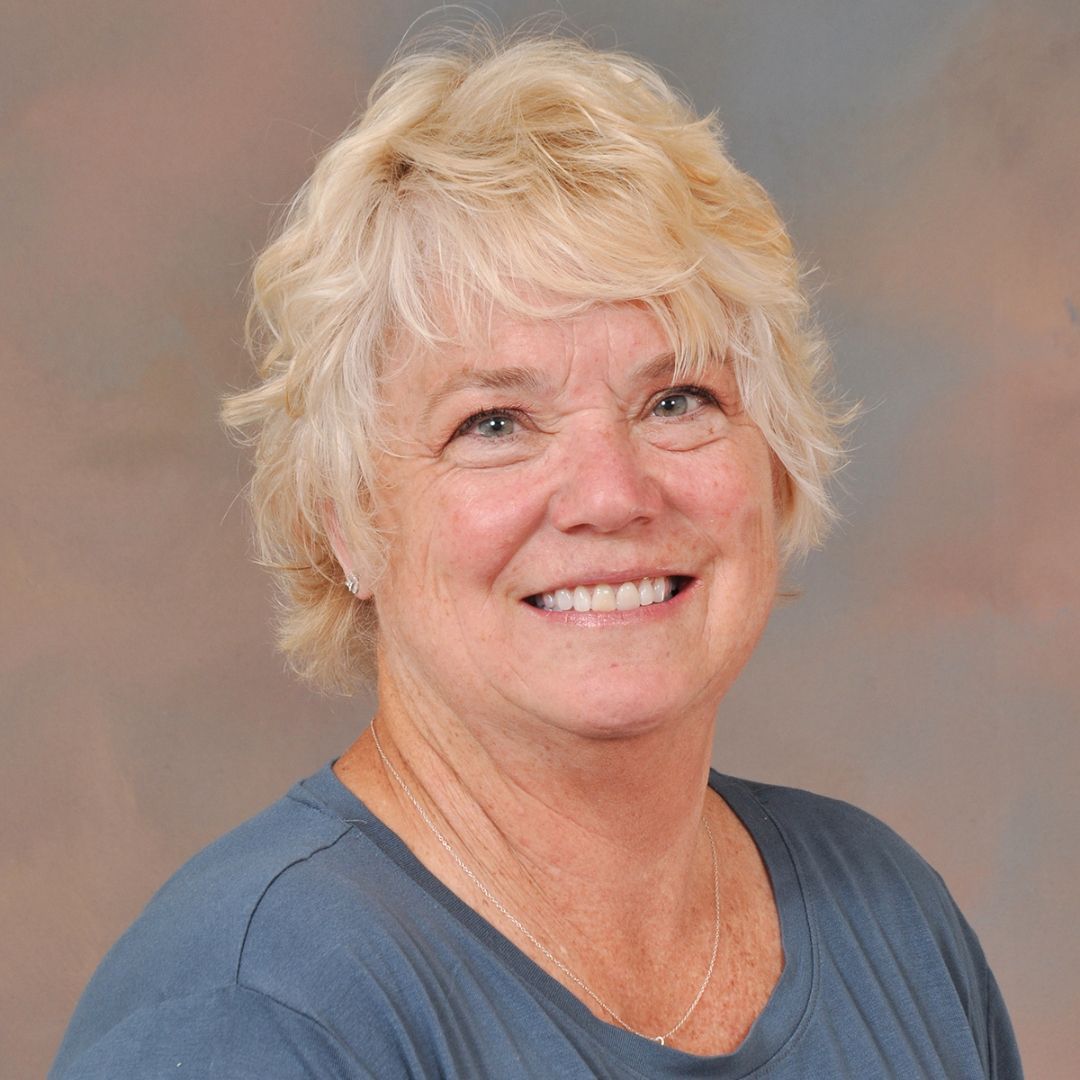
[837,841]
[872,900]
[192,932]
[861,880]
[883,922]
[225,1033]
[187,953]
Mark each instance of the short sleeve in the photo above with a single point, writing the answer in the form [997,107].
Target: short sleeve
[226,1034]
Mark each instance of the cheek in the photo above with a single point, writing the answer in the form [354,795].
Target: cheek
[725,498]
[482,522]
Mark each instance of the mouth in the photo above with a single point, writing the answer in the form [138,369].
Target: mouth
[614,596]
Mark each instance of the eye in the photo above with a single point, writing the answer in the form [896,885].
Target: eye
[499,435]
[685,418]
[489,424]
[682,400]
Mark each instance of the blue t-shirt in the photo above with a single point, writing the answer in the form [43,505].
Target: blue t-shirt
[310,942]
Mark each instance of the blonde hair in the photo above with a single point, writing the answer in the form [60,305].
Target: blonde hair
[536,176]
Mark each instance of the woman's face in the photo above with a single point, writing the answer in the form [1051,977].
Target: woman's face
[562,458]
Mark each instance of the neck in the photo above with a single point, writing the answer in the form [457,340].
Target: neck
[570,832]
[596,850]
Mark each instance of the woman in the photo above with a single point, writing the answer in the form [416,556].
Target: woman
[540,421]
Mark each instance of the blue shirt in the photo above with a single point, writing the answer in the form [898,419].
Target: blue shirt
[311,943]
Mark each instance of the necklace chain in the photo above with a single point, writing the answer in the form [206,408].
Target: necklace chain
[499,906]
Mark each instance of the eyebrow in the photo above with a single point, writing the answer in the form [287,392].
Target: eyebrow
[658,366]
[527,379]
[508,378]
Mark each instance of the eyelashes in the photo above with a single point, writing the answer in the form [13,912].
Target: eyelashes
[684,391]
[516,414]
[513,415]
[681,417]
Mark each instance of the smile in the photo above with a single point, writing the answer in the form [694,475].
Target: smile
[615,597]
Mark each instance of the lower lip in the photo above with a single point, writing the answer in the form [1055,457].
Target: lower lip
[615,618]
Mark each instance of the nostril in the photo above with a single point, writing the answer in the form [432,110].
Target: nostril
[605,489]
[603,509]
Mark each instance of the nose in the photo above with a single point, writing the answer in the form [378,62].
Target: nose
[602,483]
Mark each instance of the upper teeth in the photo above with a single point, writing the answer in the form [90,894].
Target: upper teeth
[624,597]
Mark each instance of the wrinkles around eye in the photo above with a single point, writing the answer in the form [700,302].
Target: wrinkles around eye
[696,398]
[475,424]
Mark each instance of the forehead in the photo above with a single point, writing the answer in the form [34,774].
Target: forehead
[601,329]
[609,341]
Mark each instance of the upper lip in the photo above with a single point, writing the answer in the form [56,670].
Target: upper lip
[606,577]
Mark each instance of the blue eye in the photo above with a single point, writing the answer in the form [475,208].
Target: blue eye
[490,424]
[672,405]
[681,401]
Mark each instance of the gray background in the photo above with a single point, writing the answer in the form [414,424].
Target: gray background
[925,153]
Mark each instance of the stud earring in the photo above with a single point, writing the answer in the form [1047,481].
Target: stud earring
[352,583]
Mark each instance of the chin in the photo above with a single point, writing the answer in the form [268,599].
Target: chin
[632,714]
[617,728]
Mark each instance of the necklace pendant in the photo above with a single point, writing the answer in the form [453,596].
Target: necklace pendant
[659,1039]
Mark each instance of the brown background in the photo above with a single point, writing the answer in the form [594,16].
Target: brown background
[927,154]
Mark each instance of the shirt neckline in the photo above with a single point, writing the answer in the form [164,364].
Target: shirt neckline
[778,1024]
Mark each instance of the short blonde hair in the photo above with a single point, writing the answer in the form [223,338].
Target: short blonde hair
[536,176]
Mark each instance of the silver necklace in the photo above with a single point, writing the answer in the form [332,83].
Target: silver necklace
[496,903]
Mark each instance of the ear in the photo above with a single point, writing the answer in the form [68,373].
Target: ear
[349,567]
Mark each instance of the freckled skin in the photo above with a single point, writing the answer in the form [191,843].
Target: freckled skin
[594,481]
[566,756]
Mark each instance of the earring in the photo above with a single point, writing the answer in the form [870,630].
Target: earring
[352,583]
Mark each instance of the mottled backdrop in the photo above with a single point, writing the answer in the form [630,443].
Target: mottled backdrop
[927,155]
